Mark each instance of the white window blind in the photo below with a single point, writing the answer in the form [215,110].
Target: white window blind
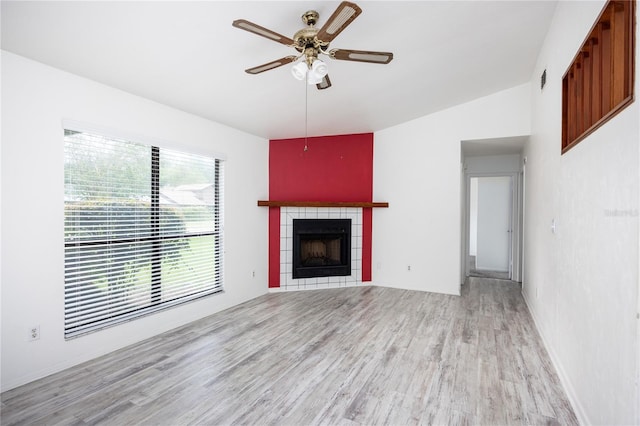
[143,229]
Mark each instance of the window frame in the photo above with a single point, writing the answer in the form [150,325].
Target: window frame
[156,236]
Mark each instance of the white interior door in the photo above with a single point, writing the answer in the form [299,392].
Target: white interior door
[493,243]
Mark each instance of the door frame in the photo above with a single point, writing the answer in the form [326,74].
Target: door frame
[516,225]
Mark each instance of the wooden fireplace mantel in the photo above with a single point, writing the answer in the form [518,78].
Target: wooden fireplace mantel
[364,204]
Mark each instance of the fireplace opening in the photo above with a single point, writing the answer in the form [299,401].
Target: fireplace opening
[321,248]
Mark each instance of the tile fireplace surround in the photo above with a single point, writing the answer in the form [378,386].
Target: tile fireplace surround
[287,215]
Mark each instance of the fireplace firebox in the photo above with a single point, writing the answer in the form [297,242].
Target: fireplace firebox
[321,248]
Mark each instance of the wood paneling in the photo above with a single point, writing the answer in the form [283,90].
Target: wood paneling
[596,60]
[599,82]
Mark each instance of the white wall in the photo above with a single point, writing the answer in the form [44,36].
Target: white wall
[35,100]
[473,217]
[417,170]
[493,164]
[581,283]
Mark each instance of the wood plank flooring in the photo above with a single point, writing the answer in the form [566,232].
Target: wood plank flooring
[352,356]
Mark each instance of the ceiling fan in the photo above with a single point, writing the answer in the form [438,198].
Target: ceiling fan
[311,42]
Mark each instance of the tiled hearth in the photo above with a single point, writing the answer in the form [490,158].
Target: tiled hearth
[287,215]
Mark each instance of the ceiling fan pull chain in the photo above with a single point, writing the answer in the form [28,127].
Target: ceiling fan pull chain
[306,114]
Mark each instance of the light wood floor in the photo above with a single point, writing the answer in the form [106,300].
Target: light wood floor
[367,355]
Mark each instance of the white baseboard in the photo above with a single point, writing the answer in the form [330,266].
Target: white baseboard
[578,409]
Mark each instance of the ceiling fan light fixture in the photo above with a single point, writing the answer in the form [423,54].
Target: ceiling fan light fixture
[313,78]
[299,70]
[319,68]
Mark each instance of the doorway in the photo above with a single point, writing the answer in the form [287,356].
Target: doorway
[491,226]
[499,167]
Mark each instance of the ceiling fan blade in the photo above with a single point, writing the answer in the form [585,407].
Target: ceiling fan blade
[325,83]
[271,65]
[262,31]
[361,56]
[343,16]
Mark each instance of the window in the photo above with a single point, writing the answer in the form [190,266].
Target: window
[142,229]
[599,81]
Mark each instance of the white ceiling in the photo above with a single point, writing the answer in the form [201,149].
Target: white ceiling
[188,56]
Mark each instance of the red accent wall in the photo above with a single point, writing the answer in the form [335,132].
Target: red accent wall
[334,168]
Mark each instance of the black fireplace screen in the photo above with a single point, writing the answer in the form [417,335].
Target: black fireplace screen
[321,248]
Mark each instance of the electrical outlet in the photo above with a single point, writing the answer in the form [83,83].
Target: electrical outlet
[409,268]
[34,333]
[253,274]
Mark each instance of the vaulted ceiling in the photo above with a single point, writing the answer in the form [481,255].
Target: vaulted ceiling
[188,56]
